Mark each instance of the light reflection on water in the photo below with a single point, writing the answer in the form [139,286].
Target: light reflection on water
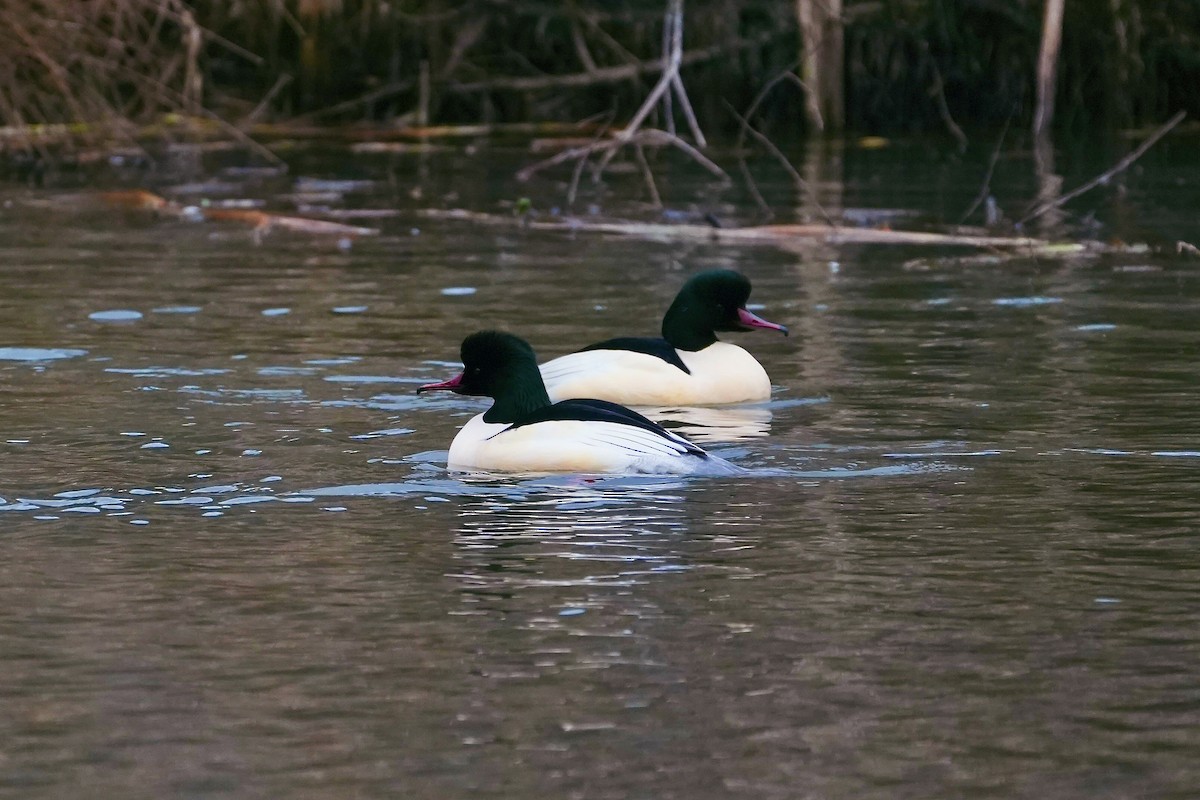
[583,537]
[232,563]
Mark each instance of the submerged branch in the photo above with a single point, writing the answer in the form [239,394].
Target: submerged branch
[1104,177]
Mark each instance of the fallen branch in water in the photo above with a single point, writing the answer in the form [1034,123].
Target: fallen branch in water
[752,235]
[1104,177]
[260,221]
[264,221]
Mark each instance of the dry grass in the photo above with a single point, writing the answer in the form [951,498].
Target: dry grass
[95,66]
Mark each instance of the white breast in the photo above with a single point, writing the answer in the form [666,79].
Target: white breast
[575,446]
[720,373]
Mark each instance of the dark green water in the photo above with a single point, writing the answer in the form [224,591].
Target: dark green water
[964,562]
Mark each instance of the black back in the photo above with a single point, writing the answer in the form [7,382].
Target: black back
[603,411]
[651,346]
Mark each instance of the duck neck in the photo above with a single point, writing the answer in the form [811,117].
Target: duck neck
[521,394]
[682,328]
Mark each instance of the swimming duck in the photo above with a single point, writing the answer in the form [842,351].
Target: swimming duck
[524,431]
[688,366]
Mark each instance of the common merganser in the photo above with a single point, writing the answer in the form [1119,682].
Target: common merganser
[524,432]
[688,366]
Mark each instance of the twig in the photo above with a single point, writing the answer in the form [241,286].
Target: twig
[613,45]
[664,84]
[685,105]
[667,38]
[648,175]
[801,184]
[560,157]
[669,77]
[632,132]
[762,95]
[233,130]
[987,177]
[655,136]
[759,200]
[253,116]
[177,16]
[581,48]
[370,97]
[576,174]
[609,74]
[939,95]
[788,74]
[688,113]
[1103,177]
[582,162]
[467,38]
[423,94]
[652,136]
[241,136]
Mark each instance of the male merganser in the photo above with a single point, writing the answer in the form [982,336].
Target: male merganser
[524,432]
[688,366]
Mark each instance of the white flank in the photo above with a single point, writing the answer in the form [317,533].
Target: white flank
[575,446]
[720,373]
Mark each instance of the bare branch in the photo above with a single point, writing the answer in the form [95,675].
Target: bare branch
[938,90]
[797,178]
[609,74]
[655,136]
[1104,177]
[987,177]
[648,175]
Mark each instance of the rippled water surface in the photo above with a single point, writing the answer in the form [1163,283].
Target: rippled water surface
[963,561]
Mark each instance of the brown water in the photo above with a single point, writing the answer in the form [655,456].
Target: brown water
[963,562]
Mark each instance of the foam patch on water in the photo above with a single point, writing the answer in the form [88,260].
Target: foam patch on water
[333,362]
[176,310]
[796,402]
[948,454]
[889,471]
[163,372]
[277,372]
[116,315]
[1026,302]
[385,432]
[35,354]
